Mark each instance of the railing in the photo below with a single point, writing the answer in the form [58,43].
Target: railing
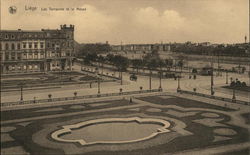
[105,75]
[215,97]
[76,97]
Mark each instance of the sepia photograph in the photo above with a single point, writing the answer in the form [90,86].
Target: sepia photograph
[125,77]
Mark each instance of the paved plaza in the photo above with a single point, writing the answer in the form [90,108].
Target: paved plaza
[152,123]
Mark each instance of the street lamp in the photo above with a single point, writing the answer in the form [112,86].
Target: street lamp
[179,87]
[98,77]
[226,77]
[121,77]
[160,88]
[98,85]
[212,76]
[21,91]
[234,97]
[150,74]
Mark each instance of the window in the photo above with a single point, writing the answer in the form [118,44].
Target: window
[13,56]
[48,44]
[18,46]
[6,56]
[24,56]
[36,55]
[30,55]
[13,46]
[6,46]
[53,45]
[41,45]
[19,55]
[42,55]
[6,36]
[12,36]
[30,45]
[24,45]
[35,45]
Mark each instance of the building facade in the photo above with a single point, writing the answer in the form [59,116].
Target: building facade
[141,47]
[36,51]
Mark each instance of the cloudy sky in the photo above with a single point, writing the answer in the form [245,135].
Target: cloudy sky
[136,21]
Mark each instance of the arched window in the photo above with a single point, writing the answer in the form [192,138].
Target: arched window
[6,46]
[13,46]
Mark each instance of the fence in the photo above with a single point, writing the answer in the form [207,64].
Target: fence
[215,97]
[76,97]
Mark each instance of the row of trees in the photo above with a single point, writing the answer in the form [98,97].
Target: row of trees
[150,61]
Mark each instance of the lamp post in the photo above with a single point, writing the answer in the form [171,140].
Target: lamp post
[212,76]
[226,77]
[21,99]
[179,87]
[98,83]
[160,81]
[234,97]
[150,80]
[121,77]
[21,91]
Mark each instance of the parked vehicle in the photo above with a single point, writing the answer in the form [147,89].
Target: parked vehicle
[133,77]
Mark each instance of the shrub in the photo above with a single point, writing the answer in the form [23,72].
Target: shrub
[243,84]
[233,83]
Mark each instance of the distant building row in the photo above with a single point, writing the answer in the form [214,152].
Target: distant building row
[35,51]
[141,47]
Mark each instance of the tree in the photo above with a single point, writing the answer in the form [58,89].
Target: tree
[160,64]
[101,60]
[137,63]
[151,63]
[121,64]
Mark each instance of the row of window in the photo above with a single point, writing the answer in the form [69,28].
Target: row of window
[13,36]
[35,45]
[10,46]
[32,45]
[35,35]
[19,56]
[14,67]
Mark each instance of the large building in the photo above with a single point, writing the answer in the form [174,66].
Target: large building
[140,48]
[46,50]
[138,51]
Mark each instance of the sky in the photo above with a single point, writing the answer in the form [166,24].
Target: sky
[135,21]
